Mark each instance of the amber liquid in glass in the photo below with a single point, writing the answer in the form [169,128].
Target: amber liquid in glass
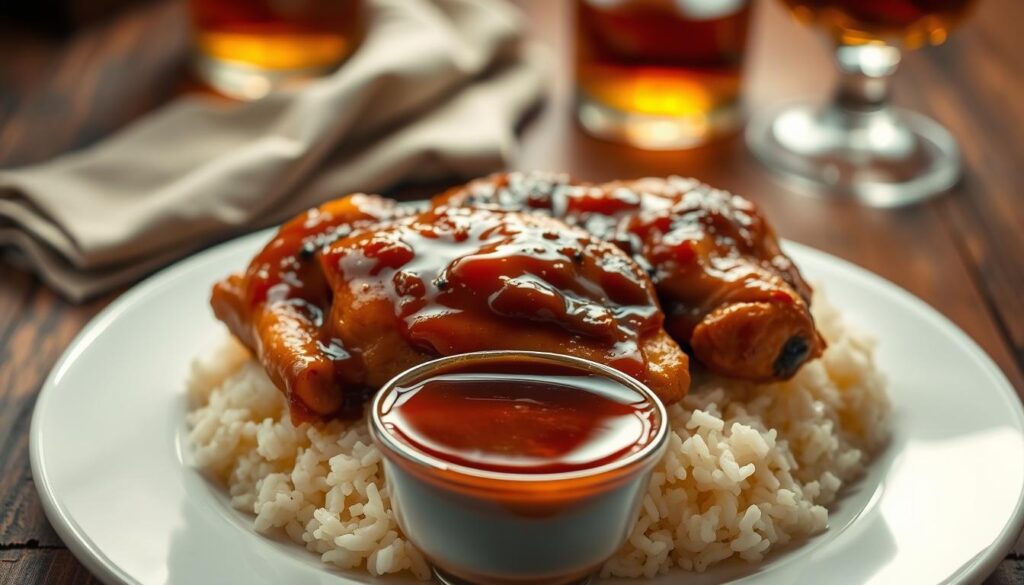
[239,42]
[912,23]
[660,74]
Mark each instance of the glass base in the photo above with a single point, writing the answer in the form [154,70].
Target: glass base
[883,158]
[246,82]
[653,132]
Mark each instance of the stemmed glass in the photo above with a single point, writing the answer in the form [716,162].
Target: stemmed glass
[858,145]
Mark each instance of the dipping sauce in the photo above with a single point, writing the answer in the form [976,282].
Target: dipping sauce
[522,418]
[515,467]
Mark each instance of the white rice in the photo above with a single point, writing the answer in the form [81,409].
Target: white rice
[748,467]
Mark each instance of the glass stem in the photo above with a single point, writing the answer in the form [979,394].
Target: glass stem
[865,75]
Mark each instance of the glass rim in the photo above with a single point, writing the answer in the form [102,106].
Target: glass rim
[410,453]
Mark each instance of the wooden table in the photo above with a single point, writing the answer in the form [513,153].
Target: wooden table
[964,254]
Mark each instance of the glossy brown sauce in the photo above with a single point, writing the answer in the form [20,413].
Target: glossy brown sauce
[462,280]
[280,307]
[675,228]
[522,418]
[730,295]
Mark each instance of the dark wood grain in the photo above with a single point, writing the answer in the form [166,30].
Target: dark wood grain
[989,227]
[42,565]
[963,254]
[42,327]
[1009,572]
[67,94]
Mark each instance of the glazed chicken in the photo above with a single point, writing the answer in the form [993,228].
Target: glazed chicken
[349,295]
[279,308]
[731,297]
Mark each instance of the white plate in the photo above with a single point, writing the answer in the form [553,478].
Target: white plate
[943,503]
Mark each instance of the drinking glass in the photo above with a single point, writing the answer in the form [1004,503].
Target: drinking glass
[247,48]
[858,145]
[660,74]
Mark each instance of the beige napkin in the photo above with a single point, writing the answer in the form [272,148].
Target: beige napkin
[436,89]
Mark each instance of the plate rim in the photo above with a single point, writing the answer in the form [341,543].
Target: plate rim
[72,535]
[88,553]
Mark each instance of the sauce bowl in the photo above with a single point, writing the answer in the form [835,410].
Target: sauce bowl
[498,527]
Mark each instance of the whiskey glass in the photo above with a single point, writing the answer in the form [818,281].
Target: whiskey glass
[246,49]
[859,146]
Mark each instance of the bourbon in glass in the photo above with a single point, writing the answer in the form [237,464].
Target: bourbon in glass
[912,23]
[660,74]
[246,48]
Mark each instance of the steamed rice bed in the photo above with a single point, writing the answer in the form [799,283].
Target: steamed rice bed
[748,467]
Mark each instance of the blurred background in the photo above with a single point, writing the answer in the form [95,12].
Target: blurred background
[135,132]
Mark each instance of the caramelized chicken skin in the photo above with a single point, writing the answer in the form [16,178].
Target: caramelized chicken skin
[279,305]
[453,281]
[731,296]
[352,307]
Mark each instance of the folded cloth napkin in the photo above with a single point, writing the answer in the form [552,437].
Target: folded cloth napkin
[436,89]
